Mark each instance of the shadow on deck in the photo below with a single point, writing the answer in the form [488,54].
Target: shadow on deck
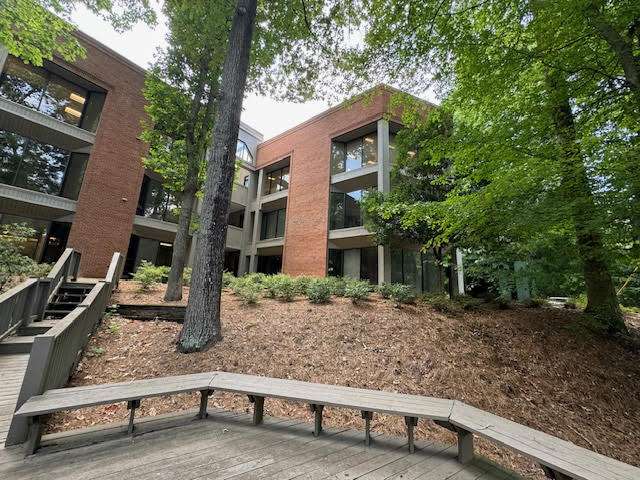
[228,445]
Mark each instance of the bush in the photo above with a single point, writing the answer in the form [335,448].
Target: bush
[402,294]
[271,285]
[14,266]
[319,291]
[336,285]
[534,302]
[467,302]
[357,290]
[285,288]
[227,279]
[186,276]
[440,302]
[147,275]
[249,292]
[301,284]
[255,278]
[385,290]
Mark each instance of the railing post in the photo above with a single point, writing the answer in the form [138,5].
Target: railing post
[76,265]
[42,297]
[32,384]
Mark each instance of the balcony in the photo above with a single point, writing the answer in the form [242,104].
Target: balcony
[29,203]
[234,237]
[366,176]
[44,128]
[239,197]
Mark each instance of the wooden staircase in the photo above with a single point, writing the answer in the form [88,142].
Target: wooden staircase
[68,297]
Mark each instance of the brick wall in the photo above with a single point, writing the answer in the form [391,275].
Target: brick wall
[107,202]
[309,144]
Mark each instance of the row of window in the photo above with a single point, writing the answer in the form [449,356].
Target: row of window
[48,93]
[344,209]
[272,225]
[37,166]
[276,180]
[47,242]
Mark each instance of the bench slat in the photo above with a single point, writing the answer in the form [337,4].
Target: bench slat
[334,395]
[79,397]
[560,455]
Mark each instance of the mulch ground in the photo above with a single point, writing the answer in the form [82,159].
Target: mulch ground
[538,367]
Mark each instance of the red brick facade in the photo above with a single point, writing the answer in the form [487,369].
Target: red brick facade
[107,202]
[309,144]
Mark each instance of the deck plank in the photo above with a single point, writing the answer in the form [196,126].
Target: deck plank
[12,367]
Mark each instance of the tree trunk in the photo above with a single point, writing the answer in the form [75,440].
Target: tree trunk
[180,244]
[202,325]
[602,302]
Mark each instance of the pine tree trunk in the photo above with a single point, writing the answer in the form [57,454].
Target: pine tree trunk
[202,325]
[180,245]
[602,301]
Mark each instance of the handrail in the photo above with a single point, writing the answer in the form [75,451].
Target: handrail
[66,267]
[16,308]
[55,353]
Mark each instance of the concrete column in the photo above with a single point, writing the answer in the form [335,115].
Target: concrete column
[384,185]
[247,237]
[4,53]
[257,221]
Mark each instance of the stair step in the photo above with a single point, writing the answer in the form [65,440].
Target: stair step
[77,286]
[36,328]
[68,306]
[16,344]
[69,297]
[49,314]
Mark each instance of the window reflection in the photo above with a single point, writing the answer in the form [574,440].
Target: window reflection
[344,209]
[273,224]
[277,180]
[48,93]
[37,166]
[243,153]
[355,154]
[156,202]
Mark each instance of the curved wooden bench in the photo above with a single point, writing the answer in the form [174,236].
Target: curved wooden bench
[560,459]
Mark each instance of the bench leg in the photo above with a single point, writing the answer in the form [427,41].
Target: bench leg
[367,426]
[258,408]
[411,422]
[204,402]
[317,410]
[131,406]
[465,446]
[35,434]
[554,475]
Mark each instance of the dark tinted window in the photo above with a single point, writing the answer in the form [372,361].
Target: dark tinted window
[273,224]
[358,153]
[335,263]
[344,209]
[156,202]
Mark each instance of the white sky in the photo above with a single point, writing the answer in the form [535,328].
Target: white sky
[139,44]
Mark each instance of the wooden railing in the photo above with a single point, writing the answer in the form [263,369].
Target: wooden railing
[55,353]
[27,302]
[17,306]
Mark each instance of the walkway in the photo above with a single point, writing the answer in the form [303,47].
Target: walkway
[12,368]
[228,445]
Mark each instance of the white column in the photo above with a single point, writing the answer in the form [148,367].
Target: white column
[253,261]
[247,237]
[384,185]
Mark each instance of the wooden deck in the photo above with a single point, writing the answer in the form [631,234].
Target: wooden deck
[228,445]
[12,368]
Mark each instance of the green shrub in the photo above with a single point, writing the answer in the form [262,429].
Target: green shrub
[467,302]
[534,302]
[237,284]
[357,290]
[319,291]
[14,266]
[385,290]
[147,275]
[255,278]
[249,293]
[502,303]
[285,288]
[301,284]
[402,294]
[227,279]
[186,276]
[336,285]
[440,302]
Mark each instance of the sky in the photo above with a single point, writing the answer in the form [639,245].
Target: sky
[139,45]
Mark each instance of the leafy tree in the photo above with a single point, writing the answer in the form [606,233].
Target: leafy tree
[36,30]
[544,102]
[13,263]
[181,90]
[291,51]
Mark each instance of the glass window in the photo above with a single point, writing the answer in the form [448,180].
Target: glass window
[277,180]
[355,154]
[48,241]
[156,202]
[43,168]
[273,224]
[51,94]
[406,267]
[344,209]
[369,264]
[22,83]
[335,263]
[243,153]
[245,181]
